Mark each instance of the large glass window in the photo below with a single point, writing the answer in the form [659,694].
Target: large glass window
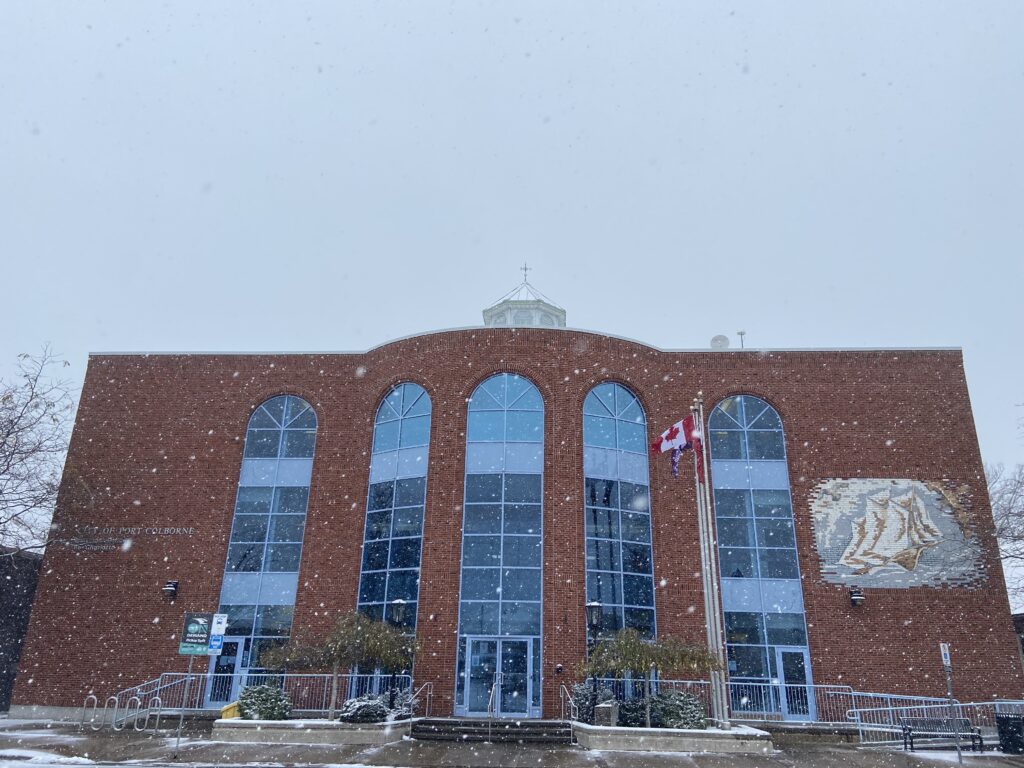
[265,547]
[393,535]
[617,509]
[761,594]
[502,551]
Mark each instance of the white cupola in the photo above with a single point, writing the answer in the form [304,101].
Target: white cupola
[524,307]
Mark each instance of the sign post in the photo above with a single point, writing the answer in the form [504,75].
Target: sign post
[947,667]
[195,641]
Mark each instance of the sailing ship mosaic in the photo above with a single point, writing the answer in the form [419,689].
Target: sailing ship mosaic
[879,532]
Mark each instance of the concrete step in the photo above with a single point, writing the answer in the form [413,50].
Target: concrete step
[465,729]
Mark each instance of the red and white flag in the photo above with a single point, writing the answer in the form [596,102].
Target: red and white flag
[681,436]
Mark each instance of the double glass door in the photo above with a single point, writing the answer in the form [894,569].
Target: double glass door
[499,676]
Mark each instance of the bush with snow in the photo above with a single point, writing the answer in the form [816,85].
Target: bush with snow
[365,709]
[264,702]
[669,709]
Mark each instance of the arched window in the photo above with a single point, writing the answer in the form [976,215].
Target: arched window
[618,510]
[761,594]
[501,591]
[261,573]
[393,538]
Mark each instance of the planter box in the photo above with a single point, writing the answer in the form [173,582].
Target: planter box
[310,732]
[739,739]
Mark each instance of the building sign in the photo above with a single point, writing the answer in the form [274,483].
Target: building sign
[107,538]
[195,634]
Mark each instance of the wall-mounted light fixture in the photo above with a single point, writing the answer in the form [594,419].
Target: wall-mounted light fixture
[170,589]
[856,596]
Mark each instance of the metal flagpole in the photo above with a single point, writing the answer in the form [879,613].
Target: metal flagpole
[713,600]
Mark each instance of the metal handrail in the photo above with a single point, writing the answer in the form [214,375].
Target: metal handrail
[491,699]
[565,696]
[429,687]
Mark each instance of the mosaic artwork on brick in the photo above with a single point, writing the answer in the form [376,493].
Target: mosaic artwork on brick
[879,532]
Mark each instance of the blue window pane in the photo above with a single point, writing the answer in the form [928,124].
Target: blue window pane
[403,585]
[381,495]
[274,620]
[786,629]
[525,426]
[481,551]
[747,661]
[287,527]
[478,618]
[245,558]
[636,527]
[298,443]
[523,518]
[528,401]
[410,492]
[486,427]
[262,443]
[385,436]
[408,522]
[632,437]
[523,551]
[640,619]
[611,621]
[602,555]
[602,523]
[599,432]
[735,532]
[482,518]
[375,612]
[375,556]
[778,564]
[601,493]
[772,504]
[275,407]
[283,558]
[768,419]
[634,497]
[727,445]
[305,420]
[405,553]
[415,431]
[636,558]
[240,618]
[253,501]
[521,584]
[520,618]
[604,587]
[737,563]
[637,590]
[766,445]
[732,503]
[481,583]
[743,627]
[483,488]
[250,528]
[291,501]
[371,587]
[773,532]
[417,401]
[523,488]
[408,613]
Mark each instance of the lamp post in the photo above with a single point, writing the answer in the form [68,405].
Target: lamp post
[398,610]
[593,609]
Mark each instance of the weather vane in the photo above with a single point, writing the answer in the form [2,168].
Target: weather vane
[524,269]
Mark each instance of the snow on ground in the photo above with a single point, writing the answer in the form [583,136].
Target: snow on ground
[16,757]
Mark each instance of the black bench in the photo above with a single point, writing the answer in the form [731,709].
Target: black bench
[918,727]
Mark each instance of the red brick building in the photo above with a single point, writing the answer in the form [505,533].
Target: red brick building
[487,515]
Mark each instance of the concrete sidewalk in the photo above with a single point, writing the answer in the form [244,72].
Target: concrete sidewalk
[106,747]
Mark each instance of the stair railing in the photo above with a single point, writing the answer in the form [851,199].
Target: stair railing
[492,703]
[574,710]
[429,687]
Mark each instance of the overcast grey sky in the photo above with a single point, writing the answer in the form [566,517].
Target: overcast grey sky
[282,176]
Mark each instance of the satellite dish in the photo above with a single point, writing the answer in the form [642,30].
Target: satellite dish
[720,342]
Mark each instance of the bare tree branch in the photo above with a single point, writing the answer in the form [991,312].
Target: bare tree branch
[1006,493]
[35,418]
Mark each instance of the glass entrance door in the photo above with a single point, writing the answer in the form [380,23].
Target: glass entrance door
[504,666]
[796,694]
[224,680]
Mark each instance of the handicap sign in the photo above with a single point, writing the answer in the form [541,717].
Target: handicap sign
[944,650]
[218,626]
[216,645]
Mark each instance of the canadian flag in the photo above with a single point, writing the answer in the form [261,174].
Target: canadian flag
[681,436]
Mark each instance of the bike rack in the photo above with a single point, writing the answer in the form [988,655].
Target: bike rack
[154,703]
[85,709]
[118,725]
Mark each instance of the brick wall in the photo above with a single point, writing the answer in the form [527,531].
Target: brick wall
[158,444]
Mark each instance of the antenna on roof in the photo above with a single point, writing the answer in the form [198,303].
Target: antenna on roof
[741,334]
